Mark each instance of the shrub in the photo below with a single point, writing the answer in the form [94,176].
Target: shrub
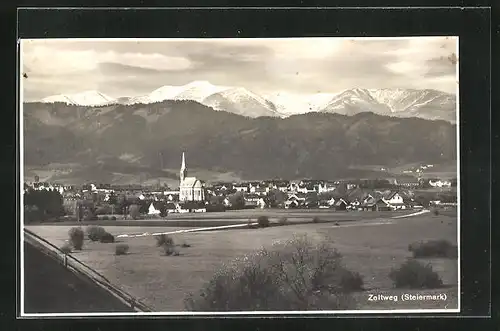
[413,274]
[102,210]
[95,232]
[433,248]
[135,211]
[107,238]
[316,219]
[170,250]
[105,218]
[164,239]
[113,218]
[295,275]
[283,221]
[121,249]
[66,248]
[263,221]
[435,212]
[76,237]
[351,280]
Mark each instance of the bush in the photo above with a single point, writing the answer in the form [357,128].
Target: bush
[113,218]
[435,212]
[170,250]
[135,211]
[283,221]
[164,239]
[121,249]
[107,238]
[95,232]
[263,221]
[316,219]
[433,248]
[76,237]
[351,280]
[295,275]
[102,210]
[66,248]
[413,274]
[105,218]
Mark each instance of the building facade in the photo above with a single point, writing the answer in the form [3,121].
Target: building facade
[190,188]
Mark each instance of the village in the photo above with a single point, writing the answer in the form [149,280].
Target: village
[93,200]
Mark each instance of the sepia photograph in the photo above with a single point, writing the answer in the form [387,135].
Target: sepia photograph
[312,175]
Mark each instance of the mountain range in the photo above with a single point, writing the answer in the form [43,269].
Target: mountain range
[427,104]
[110,142]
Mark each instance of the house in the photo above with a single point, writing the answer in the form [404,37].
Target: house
[155,208]
[369,203]
[412,204]
[393,198]
[254,200]
[293,187]
[440,183]
[261,191]
[340,204]
[281,185]
[327,203]
[351,186]
[325,187]
[240,187]
[171,207]
[295,200]
[382,205]
[307,188]
[171,195]
[226,202]
[354,204]
[408,182]
[194,206]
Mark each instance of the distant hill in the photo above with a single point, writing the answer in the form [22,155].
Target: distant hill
[146,138]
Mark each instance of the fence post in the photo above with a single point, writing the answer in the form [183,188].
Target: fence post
[65,260]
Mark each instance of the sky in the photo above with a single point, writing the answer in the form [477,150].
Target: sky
[120,68]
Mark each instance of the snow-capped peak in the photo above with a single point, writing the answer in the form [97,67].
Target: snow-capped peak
[86,98]
[199,90]
[298,103]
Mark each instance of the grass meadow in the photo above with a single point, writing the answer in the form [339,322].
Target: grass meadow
[371,245]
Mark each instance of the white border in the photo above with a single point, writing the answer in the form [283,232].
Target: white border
[21,165]
[457,114]
[239,313]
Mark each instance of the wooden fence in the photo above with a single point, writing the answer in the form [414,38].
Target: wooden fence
[81,269]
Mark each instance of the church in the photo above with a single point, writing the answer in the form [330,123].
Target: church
[190,188]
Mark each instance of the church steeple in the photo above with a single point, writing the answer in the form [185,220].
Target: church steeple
[183,172]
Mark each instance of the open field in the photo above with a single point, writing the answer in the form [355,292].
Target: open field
[238,217]
[370,246]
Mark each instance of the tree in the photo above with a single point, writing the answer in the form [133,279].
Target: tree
[49,203]
[134,211]
[122,203]
[275,198]
[112,198]
[216,200]
[327,195]
[237,200]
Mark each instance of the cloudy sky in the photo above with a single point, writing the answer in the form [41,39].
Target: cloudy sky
[306,65]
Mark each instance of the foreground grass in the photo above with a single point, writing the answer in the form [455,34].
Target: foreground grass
[163,282]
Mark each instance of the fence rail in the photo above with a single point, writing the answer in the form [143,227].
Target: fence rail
[79,268]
